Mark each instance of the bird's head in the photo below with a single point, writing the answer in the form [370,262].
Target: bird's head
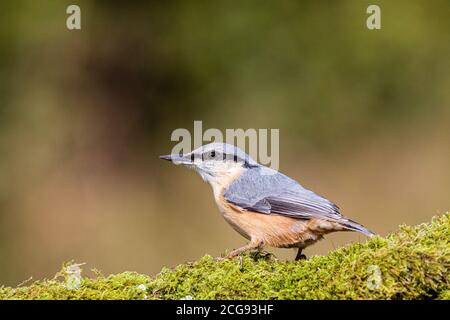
[214,161]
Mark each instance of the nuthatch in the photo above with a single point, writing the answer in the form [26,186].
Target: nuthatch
[265,206]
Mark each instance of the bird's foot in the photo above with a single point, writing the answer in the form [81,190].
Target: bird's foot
[228,256]
[301,257]
[261,255]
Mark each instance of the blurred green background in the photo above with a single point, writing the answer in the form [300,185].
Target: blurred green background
[363,118]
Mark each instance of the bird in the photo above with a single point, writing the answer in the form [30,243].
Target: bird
[265,206]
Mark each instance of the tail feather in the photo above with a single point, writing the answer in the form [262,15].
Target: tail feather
[354,226]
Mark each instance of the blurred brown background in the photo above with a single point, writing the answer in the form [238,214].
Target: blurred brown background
[363,118]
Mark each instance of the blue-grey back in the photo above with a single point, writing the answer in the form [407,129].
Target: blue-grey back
[263,190]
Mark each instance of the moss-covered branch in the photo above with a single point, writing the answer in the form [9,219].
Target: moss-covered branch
[412,263]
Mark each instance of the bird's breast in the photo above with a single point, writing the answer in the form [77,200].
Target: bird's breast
[271,229]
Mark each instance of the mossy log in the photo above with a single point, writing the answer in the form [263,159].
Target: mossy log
[412,263]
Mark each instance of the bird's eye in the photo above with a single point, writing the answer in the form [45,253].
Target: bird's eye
[213,154]
[192,157]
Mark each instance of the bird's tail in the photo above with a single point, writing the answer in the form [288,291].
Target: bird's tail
[354,226]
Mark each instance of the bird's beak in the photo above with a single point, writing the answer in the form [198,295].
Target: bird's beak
[166,157]
[176,159]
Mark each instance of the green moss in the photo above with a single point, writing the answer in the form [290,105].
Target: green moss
[412,263]
[121,286]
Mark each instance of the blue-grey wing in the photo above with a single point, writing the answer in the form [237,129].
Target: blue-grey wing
[262,190]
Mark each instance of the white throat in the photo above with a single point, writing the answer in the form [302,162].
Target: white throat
[220,180]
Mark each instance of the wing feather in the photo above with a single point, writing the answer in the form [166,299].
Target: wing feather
[265,191]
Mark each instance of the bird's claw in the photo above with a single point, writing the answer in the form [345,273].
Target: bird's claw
[301,257]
